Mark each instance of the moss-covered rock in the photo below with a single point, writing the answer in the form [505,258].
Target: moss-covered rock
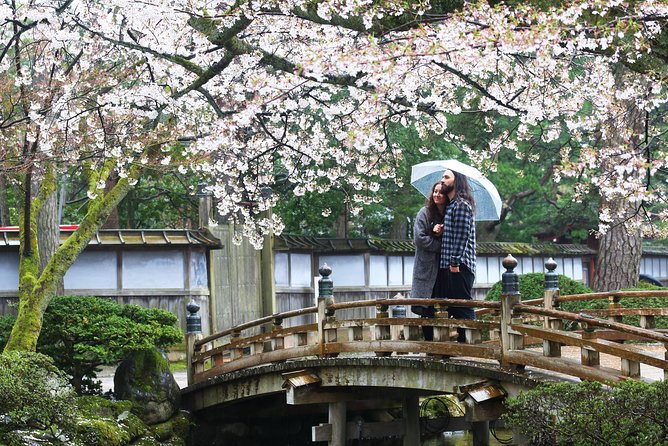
[145,379]
[118,413]
[178,426]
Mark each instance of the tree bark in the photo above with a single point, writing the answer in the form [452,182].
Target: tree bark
[620,248]
[48,234]
[399,228]
[113,219]
[618,260]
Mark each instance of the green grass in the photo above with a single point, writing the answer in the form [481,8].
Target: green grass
[178,366]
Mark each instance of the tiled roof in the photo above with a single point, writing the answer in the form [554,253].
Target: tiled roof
[130,237]
[654,247]
[296,242]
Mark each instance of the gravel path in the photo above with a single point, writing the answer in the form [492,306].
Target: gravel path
[107,378]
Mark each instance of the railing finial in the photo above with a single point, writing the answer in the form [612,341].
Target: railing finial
[193,319]
[551,277]
[325,284]
[509,280]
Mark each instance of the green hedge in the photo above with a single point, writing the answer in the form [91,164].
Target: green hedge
[532,286]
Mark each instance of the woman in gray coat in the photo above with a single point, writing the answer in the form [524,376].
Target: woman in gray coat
[427,236]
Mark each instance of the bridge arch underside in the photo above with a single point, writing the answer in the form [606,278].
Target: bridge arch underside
[281,402]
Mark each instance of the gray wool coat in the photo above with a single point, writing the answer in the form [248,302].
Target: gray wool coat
[427,255]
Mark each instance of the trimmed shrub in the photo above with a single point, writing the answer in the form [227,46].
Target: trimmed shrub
[589,414]
[83,333]
[532,285]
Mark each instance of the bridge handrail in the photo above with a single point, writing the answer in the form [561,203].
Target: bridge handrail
[415,301]
[593,321]
[343,306]
[255,323]
[489,310]
[613,295]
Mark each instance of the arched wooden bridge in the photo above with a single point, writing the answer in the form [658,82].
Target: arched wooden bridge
[337,363]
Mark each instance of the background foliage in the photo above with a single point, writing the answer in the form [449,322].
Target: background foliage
[589,414]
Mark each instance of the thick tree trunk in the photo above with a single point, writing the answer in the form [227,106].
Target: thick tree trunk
[620,248]
[399,228]
[618,260]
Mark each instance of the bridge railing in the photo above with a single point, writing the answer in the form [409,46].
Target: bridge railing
[514,324]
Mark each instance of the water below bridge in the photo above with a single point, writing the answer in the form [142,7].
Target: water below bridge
[465,438]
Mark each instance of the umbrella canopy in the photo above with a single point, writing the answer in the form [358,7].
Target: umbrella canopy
[487,199]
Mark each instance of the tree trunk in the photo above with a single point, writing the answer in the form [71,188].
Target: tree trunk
[620,248]
[341,223]
[48,234]
[618,260]
[4,208]
[113,219]
[399,228]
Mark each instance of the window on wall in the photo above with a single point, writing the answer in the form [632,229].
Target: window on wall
[157,269]
[347,270]
[377,271]
[198,271]
[9,271]
[390,270]
[93,270]
[292,269]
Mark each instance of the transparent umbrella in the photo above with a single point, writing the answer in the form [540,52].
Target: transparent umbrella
[487,199]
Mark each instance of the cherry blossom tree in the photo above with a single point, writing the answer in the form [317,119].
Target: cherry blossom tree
[248,93]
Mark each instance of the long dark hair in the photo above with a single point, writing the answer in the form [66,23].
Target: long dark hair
[434,215]
[463,189]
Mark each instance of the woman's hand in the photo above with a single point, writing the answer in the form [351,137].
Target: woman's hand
[437,230]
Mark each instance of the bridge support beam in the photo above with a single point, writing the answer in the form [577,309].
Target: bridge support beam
[411,411]
[337,419]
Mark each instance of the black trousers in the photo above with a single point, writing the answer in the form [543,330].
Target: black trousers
[451,285]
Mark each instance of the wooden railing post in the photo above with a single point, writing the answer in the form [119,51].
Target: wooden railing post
[510,296]
[589,356]
[277,340]
[550,295]
[381,331]
[193,332]
[325,313]
[236,351]
[613,304]
[441,334]
[397,311]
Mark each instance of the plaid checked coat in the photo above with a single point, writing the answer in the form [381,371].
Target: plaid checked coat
[458,242]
